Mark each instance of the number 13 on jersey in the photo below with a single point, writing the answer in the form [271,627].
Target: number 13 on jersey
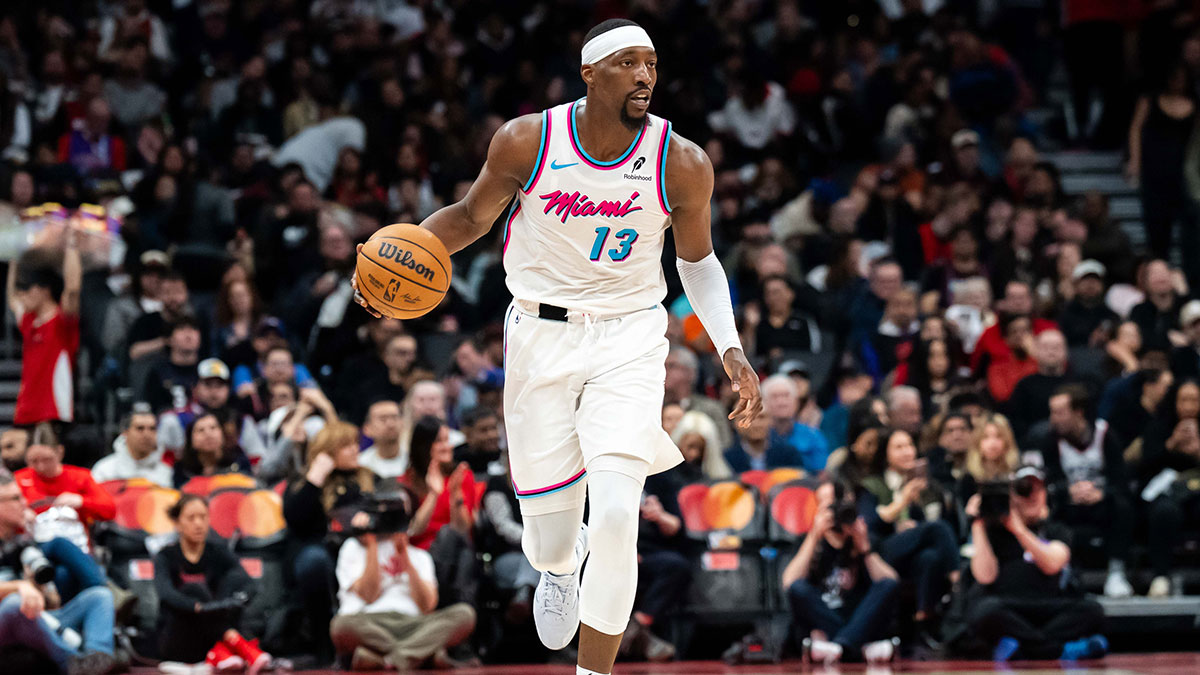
[625,239]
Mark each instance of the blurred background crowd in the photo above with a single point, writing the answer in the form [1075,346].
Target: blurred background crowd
[932,302]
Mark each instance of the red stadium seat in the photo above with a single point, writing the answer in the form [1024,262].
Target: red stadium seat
[198,485]
[260,515]
[223,511]
[792,508]
[753,477]
[152,506]
[691,507]
[779,477]
[728,505]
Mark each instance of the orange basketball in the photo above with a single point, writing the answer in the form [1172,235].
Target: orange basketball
[403,271]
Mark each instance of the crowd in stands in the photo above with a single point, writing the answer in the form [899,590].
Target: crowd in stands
[982,382]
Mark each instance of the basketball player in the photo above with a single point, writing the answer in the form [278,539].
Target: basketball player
[597,183]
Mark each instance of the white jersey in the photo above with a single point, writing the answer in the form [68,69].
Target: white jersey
[587,235]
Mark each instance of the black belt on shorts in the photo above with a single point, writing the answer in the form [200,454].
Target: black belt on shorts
[551,312]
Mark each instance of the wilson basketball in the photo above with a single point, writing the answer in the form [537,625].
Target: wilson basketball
[403,271]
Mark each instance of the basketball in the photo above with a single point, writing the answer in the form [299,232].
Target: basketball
[403,271]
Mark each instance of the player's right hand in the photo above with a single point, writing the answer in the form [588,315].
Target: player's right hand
[745,383]
[358,297]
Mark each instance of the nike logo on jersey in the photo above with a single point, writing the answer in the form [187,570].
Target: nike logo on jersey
[574,204]
[555,165]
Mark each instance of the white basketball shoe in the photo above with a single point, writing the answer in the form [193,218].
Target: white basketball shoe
[556,601]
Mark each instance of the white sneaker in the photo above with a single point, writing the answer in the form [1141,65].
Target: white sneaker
[178,668]
[556,601]
[880,651]
[1160,587]
[823,651]
[1117,586]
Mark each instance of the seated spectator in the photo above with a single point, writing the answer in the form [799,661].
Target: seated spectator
[202,590]
[933,371]
[136,302]
[1185,359]
[210,394]
[1025,606]
[853,463]
[1004,372]
[46,308]
[13,443]
[238,313]
[1132,418]
[384,455]
[783,329]
[1171,452]
[387,614]
[841,592]
[1085,469]
[915,543]
[891,340]
[148,334]
[208,452]
[78,636]
[481,450]
[135,453]
[332,480]
[755,449]
[696,438]
[1086,313]
[269,336]
[683,373]
[948,459]
[1031,396]
[427,397]
[781,404]
[852,386]
[992,455]
[169,382]
[1159,314]
[382,373]
[992,346]
[90,147]
[904,409]
[298,415]
[66,498]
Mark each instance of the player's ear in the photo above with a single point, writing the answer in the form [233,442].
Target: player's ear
[588,73]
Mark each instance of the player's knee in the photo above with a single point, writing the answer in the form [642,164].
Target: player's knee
[614,522]
[554,559]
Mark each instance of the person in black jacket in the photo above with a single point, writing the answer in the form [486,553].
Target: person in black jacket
[202,590]
[332,480]
[1085,471]
[1170,465]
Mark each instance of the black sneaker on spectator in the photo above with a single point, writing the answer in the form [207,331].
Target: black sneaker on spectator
[92,663]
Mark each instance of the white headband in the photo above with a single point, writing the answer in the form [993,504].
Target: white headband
[613,41]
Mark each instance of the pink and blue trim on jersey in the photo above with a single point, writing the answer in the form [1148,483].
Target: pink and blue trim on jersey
[512,214]
[592,161]
[541,156]
[530,494]
[662,169]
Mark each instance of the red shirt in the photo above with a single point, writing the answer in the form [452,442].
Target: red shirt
[47,390]
[992,343]
[40,492]
[934,247]
[441,511]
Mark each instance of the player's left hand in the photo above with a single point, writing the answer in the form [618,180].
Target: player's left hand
[358,297]
[745,383]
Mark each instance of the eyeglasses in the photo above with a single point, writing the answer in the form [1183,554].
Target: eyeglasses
[11,498]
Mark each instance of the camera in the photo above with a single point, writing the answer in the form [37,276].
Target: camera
[994,500]
[41,568]
[387,512]
[845,510]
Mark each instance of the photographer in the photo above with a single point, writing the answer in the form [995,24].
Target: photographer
[202,590]
[841,592]
[388,592]
[28,616]
[1023,604]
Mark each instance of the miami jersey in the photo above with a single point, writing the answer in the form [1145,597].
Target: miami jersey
[588,235]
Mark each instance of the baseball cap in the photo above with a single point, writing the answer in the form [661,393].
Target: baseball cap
[1190,313]
[962,138]
[1029,471]
[210,368]
[270,324]
[792,367]
[154,259]
[1087,267]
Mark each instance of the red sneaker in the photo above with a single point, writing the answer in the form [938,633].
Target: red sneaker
[222,660]
[256,659]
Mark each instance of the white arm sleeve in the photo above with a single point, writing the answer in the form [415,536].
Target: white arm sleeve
[707,289]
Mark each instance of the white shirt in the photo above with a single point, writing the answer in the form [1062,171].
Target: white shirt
[382,466]
[121,465]
[395,594]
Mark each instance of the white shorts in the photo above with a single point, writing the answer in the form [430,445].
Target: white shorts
[579,395]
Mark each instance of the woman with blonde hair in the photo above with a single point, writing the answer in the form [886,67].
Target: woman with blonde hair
[332,480]
[696,437]
[993,453]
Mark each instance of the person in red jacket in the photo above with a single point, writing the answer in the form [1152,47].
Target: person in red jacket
[47,482]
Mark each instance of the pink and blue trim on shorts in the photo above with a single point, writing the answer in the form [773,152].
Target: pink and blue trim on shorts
[557,487]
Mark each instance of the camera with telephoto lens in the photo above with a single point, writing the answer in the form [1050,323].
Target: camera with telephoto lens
[41,568]
[387,513]
[994,500]
[845,511]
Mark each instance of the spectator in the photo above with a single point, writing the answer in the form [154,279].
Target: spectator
[501,530]
[445,490]
[866,310]
[784,328]
[132,21]
[481,449]
[386,376]
[384,456]
[427,397]
[278,367]
[202,590]
[1005,372]
[13,444]
[207,452]
[67,495]
[134,99]
[297,417]
[332,480]
[948,460]
[1086,313]
[806,446]
[696,437]
[388,614]
[932,370]
[1026,607]
[1185,359]
[1158,316]
[90,148]
[1086,471]
[993,455]
[1031,397]
[1170,448]
[892,339]
[238,312]
[89,615]
[46,308]
[992,346]
[269,335]
[148,332]
[853,463]
[210,394]
[143,298]
[1128,422]
[170,381]
[841,592]
[904,409]
[683,372]
[135,453]
[915,543]
[755,449]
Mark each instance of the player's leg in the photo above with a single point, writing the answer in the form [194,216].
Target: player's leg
[556,544]
[610,581]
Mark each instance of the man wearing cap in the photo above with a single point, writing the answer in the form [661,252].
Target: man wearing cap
[966,167]
[1024,607]
[138,301]
[168,382]
[210,394]
[1086,320]
[1185,360]
[136,453]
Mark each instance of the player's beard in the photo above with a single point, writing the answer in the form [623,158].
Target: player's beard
[632,123]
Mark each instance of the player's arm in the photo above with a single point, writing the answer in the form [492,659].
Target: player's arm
[511,157]
[14,303]
[689,178]
[72,275]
